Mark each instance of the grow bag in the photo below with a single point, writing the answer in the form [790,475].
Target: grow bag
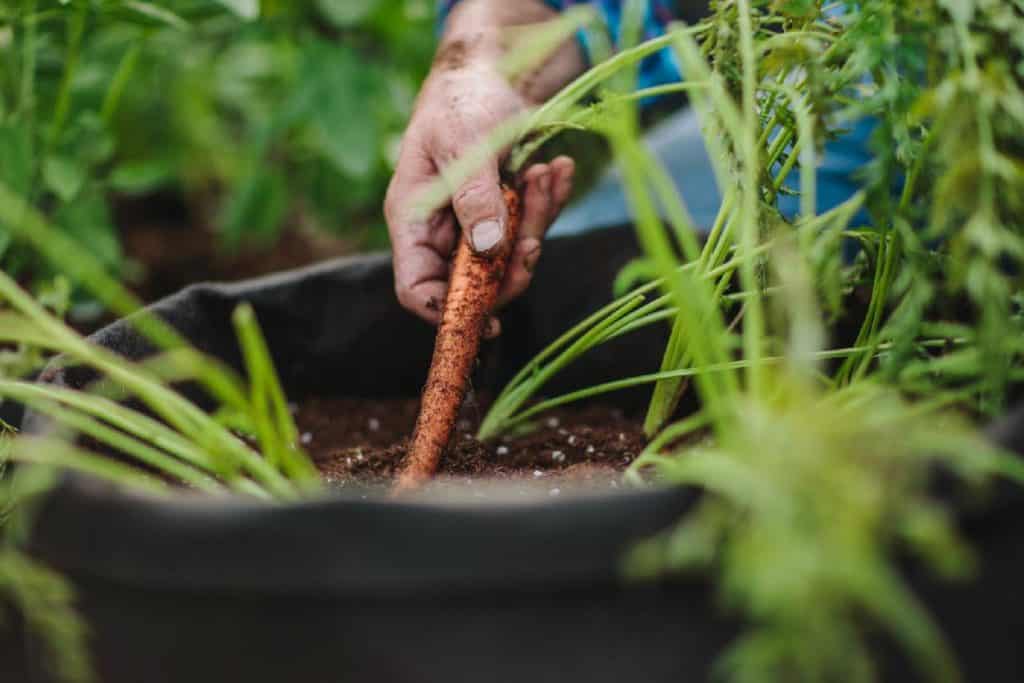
[344,588]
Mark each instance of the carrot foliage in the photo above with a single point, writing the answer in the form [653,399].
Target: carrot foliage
[815,450]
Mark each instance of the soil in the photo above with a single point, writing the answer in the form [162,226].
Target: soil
[175,247]
[362,443]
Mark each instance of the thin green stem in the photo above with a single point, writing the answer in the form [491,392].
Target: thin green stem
[26,103]
[515,395]
[278,434]
[118,84]
[28,225]
[123,418]
[651,378]
[58,453]
[76,29]
[168,404]
[130,446]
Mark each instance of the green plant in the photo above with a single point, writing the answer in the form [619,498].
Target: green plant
[273,116]
[255,112]
[193,446]
[809,498]
[174,442]
[817,71]
[41,596]
[816,473]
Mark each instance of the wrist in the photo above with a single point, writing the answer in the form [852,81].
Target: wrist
[476,29]
[471,16]
[477,33]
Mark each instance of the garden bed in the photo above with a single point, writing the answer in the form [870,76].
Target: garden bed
[357,442]
[502,588]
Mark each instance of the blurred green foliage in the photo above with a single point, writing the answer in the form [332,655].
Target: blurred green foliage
[259,112]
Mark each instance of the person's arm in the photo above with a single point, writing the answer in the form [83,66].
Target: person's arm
[482,27]
[465,97]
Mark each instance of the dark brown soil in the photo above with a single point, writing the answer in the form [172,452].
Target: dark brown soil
[175,247]
[363,442]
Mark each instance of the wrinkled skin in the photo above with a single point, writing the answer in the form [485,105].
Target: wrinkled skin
[463,99]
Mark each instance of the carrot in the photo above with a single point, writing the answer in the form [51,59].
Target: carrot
[472,293]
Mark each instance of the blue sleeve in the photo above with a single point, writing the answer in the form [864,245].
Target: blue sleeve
[658,69]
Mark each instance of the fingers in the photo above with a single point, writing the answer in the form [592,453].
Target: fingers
[520,269]
[564,170]
[421,274]
[420,247]
[547,189]
[536,202]
[480,209]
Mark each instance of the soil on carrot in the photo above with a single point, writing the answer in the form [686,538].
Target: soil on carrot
[360,443]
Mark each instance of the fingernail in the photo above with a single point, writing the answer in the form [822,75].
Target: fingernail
[531,258]
[485,235]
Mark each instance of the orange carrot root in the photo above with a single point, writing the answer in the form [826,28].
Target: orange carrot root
[472,293]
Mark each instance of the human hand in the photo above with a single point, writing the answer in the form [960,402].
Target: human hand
[465,97]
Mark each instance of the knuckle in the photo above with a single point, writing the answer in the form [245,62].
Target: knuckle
[472,199]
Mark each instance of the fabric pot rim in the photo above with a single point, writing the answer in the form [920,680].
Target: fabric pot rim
[355,542]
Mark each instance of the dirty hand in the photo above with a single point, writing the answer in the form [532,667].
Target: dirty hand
[464,98]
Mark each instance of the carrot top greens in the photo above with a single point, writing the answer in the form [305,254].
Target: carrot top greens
[815,457]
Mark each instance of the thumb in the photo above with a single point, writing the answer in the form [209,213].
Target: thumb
[480,208]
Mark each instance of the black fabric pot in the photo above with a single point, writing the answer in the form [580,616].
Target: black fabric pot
[347,589]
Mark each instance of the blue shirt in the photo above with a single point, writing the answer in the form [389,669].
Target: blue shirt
[658,69]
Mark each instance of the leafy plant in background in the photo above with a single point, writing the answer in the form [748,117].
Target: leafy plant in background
[281,113]
[258,112]
[168,441]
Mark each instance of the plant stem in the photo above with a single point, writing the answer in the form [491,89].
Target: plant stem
[640,380]
[168,404]
[76,29]
[119,82]
[26,104]
[58,453]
